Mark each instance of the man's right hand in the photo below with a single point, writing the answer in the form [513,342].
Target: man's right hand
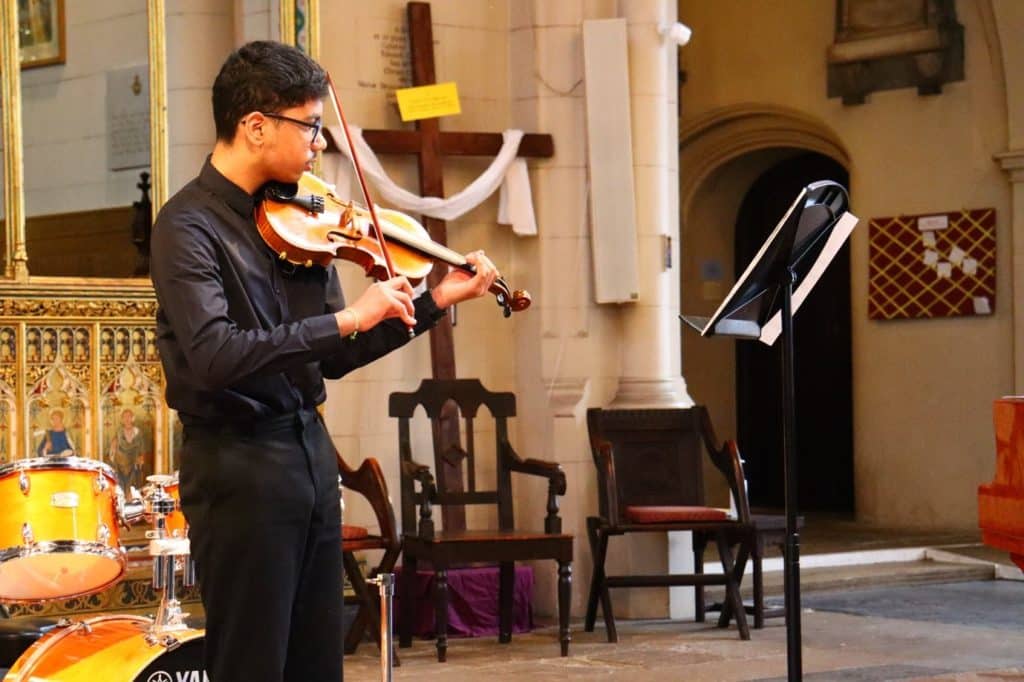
[380,301]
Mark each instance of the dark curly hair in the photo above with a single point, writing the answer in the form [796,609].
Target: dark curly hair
[263,76]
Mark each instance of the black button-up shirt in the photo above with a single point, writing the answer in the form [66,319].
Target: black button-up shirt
[242,335]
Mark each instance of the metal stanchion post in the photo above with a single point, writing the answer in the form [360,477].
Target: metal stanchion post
[385,583]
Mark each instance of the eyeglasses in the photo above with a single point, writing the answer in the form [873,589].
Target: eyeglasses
[315,127]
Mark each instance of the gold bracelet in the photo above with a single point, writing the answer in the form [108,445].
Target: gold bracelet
[355,322]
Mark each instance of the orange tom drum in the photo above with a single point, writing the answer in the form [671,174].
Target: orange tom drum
[112,648]
[59,528]
[176,525]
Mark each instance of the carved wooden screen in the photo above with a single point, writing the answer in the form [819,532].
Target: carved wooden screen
[84,376]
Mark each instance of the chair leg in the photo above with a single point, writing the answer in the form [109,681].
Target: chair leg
[441,612]
[700,543]
[596,577]
[732,589]
[739,568]
[564,604]
[408,613]
[758,592]
[506,590]
[366,610]
[598,584]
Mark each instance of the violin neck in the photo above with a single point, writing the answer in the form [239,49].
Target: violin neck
[424,246]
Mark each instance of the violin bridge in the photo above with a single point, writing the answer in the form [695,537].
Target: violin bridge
[346,216]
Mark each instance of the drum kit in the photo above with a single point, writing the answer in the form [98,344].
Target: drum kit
[60,539]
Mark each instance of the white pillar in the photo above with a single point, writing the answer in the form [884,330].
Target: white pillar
[651,369]
[651,375]
[1013,163]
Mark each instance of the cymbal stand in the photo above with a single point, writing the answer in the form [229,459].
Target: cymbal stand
[166,548]
[385,583]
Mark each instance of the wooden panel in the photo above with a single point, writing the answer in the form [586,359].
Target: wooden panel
[94,243]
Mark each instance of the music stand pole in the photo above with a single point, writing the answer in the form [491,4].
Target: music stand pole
[791,569]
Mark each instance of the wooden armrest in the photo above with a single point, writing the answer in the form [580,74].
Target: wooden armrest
[428,494]
[602,451]
[421,473]
[539,467]
[726,459]
[368,481]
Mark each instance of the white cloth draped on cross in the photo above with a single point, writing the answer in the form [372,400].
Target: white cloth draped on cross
[515,202]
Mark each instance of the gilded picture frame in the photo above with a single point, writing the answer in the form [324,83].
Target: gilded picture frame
[41,40]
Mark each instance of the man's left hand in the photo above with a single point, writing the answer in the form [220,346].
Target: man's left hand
[459,285]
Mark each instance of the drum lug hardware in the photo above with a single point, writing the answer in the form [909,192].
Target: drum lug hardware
[101,482]
[103,533]
[82,628]
[168,642]
[26,534]
[64,622]
[24,483]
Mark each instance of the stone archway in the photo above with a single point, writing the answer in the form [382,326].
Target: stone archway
[709,141]
[721,154]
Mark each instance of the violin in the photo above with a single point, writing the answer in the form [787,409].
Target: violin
[305,223]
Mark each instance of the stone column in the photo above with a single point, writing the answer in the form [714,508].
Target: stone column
[651,373]
[1013,163]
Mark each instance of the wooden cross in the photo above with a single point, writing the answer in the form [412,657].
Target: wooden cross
[429,144]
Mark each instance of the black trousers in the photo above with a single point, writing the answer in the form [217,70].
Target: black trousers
[264,520]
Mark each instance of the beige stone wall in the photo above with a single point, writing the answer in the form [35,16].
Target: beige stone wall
[922,388]
[518,64]
[471,45]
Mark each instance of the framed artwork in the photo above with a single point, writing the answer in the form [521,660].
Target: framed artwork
[40,32]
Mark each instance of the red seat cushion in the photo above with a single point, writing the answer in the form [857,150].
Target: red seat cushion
[672,514]
[353,532]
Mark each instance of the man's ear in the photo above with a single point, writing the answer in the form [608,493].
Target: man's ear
[253,128]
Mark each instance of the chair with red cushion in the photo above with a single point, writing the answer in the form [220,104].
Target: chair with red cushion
[368,481]
[650,480]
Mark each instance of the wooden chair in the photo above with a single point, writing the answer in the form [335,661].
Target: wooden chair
[649,473]
[769,530]
[368,481]
[454,546]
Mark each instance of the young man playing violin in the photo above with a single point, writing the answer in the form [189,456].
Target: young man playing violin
[246,341]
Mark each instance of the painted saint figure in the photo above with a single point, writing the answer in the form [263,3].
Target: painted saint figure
[128,450]
[57,441]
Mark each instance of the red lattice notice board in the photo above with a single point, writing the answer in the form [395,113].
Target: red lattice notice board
[936,265]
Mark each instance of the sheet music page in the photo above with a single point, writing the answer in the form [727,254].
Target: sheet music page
[753,264]
[771,330]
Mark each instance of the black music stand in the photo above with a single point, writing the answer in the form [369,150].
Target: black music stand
[761,306]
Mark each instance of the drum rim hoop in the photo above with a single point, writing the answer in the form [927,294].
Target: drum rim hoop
[74,463]
[49,641]
[117,554]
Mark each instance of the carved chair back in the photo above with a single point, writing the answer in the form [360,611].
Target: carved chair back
[460,400]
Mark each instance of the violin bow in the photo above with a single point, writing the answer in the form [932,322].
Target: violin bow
[379,233]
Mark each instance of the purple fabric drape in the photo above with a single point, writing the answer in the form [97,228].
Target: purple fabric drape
[472,601]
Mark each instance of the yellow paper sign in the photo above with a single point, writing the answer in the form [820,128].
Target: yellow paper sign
[428,101]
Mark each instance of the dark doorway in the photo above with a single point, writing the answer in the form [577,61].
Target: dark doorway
[824,404]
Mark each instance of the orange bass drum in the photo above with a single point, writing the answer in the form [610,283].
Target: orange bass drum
[112,648]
